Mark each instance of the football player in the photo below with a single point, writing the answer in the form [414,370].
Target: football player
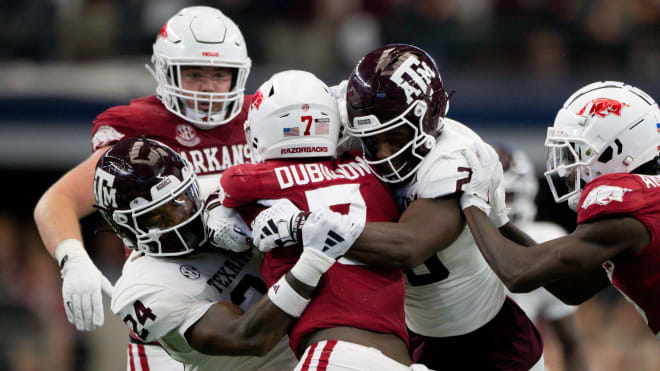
[200,64]
[356,320]
[602,159]
[455,306]
[176,290]
[521,187]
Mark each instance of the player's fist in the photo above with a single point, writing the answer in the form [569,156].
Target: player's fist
[278,225]
[227,229]
[331,232]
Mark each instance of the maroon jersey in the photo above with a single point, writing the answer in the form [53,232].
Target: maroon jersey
[635,274]
[349,294]
[209,151]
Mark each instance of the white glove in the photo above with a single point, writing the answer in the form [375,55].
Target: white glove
[227,229]
[82,285]
[278,225]
[486,176]
[331,232]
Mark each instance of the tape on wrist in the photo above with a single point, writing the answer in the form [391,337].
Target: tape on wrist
[286,298]
[67,249]
[468,200]
[311,265]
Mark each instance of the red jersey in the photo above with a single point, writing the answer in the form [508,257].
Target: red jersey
[209,151]
[636,274]
[349,294]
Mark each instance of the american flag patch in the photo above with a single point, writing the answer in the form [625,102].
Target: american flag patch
[658,126]
[322,128]
[291,132]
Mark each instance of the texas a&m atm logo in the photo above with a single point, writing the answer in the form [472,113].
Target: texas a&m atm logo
[104,192]
[418,78]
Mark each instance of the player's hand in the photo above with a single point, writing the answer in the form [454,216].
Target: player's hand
[227,229]
[278,225]
[82,285]
[486,176]
[499,213]
[331,232]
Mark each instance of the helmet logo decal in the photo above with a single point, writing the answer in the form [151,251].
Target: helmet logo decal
[291,132]
[186,135]
[104,193]
[603,107]
[210,54]
[419,78]
[305,107]
[603,195]
[163,31]
[257,99]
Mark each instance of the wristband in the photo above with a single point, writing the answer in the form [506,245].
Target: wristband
[286,298]
[67,249]
[468,200]
[311,265]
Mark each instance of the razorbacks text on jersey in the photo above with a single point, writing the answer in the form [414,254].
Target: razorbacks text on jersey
[209,151]
[349,294]
[455,291]
[634,274]
[160,298]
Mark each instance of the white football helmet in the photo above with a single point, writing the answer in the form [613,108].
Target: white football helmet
[605,127]
[292,115]
[520,183]
[200,36]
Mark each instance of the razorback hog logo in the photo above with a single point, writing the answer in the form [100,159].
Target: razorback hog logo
[257,99]
[602,107]
[163,31]
[419,77]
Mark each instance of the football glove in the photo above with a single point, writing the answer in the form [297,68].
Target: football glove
[486,176]
[226,228]
[82,285]
[330,232]
[278,225]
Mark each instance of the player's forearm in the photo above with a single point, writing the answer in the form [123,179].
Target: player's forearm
[254,332]
[384,244]
[57,219]
[509,260]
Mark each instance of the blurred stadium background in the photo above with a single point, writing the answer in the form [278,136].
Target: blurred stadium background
[511,62]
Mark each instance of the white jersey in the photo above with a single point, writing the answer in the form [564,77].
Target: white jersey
[455,291]
[160,298]
[540,303]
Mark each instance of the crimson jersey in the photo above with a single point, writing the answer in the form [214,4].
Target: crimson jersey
[636,274]
[349,294]
[209,151]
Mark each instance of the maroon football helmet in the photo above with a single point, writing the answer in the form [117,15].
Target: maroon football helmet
[393,86]
[150,197]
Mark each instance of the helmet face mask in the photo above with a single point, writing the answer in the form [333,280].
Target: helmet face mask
[292,115]
[150,196]
[605,127]
[410,147]
[202,37]
[391,86]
